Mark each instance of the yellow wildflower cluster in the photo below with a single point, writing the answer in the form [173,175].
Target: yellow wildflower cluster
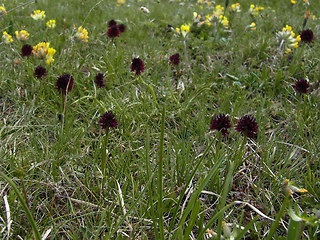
[51,24]
[235,7]
[38,15]
[43,51]
[254,10]
[183,30]
[2,11]
[22,35]
[217,16]
[218,11]
[7,38]
[287,39]
[82,34]
[224,21]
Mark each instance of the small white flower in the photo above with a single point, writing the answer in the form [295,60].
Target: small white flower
[144,9]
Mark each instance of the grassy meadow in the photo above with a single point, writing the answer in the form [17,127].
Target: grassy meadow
[160,148]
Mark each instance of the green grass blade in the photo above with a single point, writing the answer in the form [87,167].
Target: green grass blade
[243,232]
[213,219]
[275,224]
[160,184]
[187,184]
[24,205]
[223,199]
[123,218]
[195,195]
[193,218]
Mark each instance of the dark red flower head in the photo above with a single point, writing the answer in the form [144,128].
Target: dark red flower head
[174,59]
[108,120]
[112,23]
[301,86]
[113,31]
[64,83]
[26,50]
[137,65]
[221,123]
[39,72]
[122,28]
[247,126]
[306,36]
[99,80]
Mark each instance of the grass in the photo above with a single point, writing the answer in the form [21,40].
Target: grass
[166,175]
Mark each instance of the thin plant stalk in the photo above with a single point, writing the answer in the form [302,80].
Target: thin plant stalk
[160,173]
[151,192]
[104,158]
[170,87]
[64,101]
[64,105]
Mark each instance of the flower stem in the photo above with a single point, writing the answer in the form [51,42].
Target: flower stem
[170,88]
[104,158]
[64,103]
[160,183]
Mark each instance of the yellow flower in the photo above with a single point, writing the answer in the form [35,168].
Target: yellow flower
[7,38]
[50,54]
[224,21]
[121,1]
[38,15]
[298,38]
[235,7]
[287,39]
[43,51]
[51,24]
[255,10]
[252,26]
[22,35]
[219,11]
[288,50]
[293,2]
[185,29]
[82,34]
[2,11]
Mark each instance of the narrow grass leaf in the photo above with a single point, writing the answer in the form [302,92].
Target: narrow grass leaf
[24,205]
